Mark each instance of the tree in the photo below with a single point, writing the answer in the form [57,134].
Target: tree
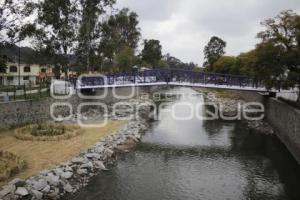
[55,30]
[163,64]
[7,18]
[172,61]
[213,51]
[279,50]
[118,32]
[151,53]
[3,18]
[269,66]
[14,14]
[190,66]
[246,63]
[3,66]
[125,59]
[89,32]
[225,65]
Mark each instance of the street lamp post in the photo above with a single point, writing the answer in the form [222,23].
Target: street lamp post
[19,62]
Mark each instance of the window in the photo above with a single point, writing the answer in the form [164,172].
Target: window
[27,69]
[43,70]
[26,78]
[10,78]
[13,69]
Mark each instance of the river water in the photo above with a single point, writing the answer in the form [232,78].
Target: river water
[199,159]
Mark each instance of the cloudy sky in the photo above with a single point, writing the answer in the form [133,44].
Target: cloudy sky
[185,26]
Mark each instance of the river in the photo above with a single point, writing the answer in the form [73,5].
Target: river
[199,159]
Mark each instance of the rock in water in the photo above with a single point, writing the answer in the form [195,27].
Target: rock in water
[22,191]
[78,160]
[52,179]
[108,152]
[54,194]
[18,182]
[68,188]
[66,175]
[100,165]
[9,189]
[88,165]
[46,189]
[37,194]
[40,184]
[81,171]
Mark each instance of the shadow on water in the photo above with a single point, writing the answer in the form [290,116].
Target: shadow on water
[200,160]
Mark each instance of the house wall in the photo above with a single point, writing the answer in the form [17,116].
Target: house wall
[34,74]
[32,80]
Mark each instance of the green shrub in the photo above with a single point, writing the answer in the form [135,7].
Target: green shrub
[48,130]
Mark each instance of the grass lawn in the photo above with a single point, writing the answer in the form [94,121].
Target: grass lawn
[40,155]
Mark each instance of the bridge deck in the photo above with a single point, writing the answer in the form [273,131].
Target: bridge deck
[186,84]
[170,76]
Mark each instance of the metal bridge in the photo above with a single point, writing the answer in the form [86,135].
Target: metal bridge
[170,76]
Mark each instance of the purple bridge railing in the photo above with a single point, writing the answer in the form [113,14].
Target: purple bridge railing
[168,75]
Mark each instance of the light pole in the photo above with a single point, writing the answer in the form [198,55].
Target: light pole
[19,62]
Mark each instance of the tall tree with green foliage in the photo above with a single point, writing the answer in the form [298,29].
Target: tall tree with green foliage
[55,30]
[119,31]
[213,51]
[12,15]
[3,66]
[125,59]
[225,65]
[152,52]
[3,19]
[269,66]
[246,63]
[2,27]
[89,33]
[279,50]
[8,18]
[172,61]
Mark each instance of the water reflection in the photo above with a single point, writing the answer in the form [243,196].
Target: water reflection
[197,159]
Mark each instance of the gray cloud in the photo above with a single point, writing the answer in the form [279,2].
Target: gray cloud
[152,9]
[185,26]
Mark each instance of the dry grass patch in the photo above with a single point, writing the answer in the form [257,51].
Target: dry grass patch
[40,155]
[227,94]
[10,164]
[221,93]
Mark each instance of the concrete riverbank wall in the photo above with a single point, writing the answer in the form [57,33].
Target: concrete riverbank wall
[284,118]
[286,121]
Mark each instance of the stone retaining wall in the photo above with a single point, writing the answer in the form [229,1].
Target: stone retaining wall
[20,113]
[30,111]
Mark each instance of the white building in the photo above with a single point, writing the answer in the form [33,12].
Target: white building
[28,73]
